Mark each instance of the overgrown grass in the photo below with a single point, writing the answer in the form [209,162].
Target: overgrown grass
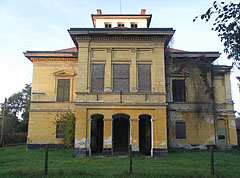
[15,161]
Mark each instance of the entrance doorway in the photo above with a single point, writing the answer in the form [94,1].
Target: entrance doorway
[121,133]
[96,143]
[145,133]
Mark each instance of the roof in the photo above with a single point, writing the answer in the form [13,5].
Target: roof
[121,16]
[167,33]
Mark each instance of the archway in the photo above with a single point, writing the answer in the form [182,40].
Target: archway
[121,133]
[145,134]
[96,143]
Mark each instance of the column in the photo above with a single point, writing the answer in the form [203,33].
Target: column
[108,71]
[134,135]
[81,141]
[107,137]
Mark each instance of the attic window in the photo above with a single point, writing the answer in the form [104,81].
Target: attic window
[134,25]
[108,25]
[120,24]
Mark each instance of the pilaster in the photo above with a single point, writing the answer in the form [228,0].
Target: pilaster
[133,70]
[134,138]
[108,71]
[107,137]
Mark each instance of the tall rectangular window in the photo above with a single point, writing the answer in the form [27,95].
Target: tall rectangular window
[144,78]
[63,90]
[178,90]
[97,78]
[60,129]
[121,78]
[180,127]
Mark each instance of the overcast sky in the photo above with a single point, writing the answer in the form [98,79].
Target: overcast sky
[42,25]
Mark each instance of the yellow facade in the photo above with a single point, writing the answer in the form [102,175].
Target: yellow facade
[145,120]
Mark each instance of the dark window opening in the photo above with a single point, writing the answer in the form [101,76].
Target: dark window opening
[96,134]
[180,129]
[97,78]
[179,91]
[108,25]
[134,25]
[120,24]
[144,78]
[121,78]
[60,129]
[63,90]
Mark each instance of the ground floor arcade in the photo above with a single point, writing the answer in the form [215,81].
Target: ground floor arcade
[109,131]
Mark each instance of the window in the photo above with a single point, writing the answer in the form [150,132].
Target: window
[97,78]
[134,25]
[178,89]
[121,24]
[121,77]
[63,90]
[108,25]
[60,129]
[180,127]
[144,78]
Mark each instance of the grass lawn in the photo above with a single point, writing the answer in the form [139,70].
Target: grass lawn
[15,161]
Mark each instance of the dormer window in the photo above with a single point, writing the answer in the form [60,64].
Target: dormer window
[108,25]
[120,24]
[134,25]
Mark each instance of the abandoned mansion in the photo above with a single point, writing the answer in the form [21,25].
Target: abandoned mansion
[127,87]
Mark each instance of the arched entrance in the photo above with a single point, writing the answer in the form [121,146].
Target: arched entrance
[121,133]
[145,132]
[96,142]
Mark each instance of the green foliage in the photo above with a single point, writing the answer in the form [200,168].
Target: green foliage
[17,113]
[227,24]
[15,161]
[68,119]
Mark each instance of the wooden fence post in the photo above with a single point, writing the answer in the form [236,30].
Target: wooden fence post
[46,160]
[211,160]
[130,159]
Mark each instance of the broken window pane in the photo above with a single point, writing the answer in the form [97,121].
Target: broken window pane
[63,90]
[121,77]
[180,129]
[97,77]
[144,78]
[179,91]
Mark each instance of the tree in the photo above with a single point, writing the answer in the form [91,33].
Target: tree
[68,120]
[17,111]
[227,24]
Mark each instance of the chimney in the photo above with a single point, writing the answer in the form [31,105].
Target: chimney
[99,12]
[143,11]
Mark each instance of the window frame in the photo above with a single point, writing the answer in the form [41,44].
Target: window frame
[129,68]
[63,74]
[185,91]
[107,24]
[184,136]
[99,78]
[60,128]
[134,25]
[121,24]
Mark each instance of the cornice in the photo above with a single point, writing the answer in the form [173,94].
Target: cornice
[122,38]
[50,59]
